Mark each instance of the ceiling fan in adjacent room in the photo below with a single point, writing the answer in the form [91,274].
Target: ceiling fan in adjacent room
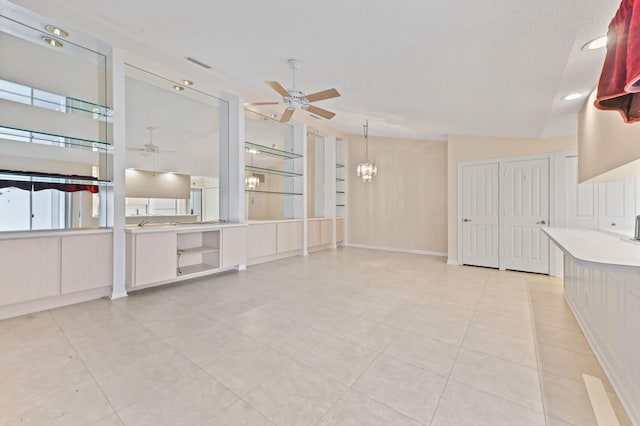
[295,98]
[150,148]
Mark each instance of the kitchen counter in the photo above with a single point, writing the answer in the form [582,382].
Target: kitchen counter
[602,287]
[164,227]
[589,245]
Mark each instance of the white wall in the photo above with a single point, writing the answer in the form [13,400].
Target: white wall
[405,206]
[608,148]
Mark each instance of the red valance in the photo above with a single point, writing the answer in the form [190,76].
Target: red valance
[29,185]
[620,79]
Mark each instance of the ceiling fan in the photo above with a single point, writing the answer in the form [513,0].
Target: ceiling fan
[150,148]
[295,98]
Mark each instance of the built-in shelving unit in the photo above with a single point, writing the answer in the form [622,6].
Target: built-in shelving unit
[59,124]
[341,181]
[197,252]
[273,169]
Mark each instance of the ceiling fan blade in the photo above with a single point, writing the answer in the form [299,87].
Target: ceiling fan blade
[261,103]
[278,88]
[325,94]
[286,116]
[320,111]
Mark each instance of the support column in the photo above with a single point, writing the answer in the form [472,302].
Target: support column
[116,195]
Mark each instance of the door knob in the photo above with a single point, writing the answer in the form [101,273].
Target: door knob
[542,222]
[466,220]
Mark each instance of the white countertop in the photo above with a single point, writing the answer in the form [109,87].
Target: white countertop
[164,227]
[261,222]
[12,235]
[590,245]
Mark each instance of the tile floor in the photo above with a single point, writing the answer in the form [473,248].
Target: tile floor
[339,337]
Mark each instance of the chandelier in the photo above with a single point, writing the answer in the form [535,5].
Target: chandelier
[366,170]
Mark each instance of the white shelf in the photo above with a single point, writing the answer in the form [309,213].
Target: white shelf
[196,250]
[194,269]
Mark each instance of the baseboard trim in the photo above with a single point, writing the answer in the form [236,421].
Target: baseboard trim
[452,262]
[412,251]
[31,306]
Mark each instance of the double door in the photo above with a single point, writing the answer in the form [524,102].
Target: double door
[504,206]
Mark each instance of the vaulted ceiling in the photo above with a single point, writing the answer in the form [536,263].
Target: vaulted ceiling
[415,68]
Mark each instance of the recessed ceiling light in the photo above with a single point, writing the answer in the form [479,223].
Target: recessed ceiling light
[57,31]
[178,88]
[596,43]
[572,97]
[274,116]
[52,42]
[187,82]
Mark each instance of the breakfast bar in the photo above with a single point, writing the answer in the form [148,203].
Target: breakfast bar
[602,287]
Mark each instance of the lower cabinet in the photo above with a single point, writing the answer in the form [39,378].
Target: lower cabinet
[289,236]
[261,240]
[234,247]
[86,262]
[273,238]
[319,232]
[155,258]
[30,269]
[326,231]
[606,303]
[167,255]
[53,269]
[340,230]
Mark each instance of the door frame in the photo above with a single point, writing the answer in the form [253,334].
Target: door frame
[556,193]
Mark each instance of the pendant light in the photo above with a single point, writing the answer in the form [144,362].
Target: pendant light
[366,170]
[252,181]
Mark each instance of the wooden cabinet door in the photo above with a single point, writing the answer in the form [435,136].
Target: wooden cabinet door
[339,230]
[155,257]
[289,236]
[326,231]
[313,233]
[261,240]
[30,269]
[234,246]
[86,262]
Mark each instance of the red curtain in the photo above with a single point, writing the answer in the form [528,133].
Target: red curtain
[620,79]
[40,186]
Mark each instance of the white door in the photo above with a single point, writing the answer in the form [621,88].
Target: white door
[480,215]
[618,204]
[526,210]
[581,202]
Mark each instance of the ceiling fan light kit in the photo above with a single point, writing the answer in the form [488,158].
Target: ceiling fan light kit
[366,171]
[295,98]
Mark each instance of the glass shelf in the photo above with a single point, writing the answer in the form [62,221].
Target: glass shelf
[52,178]
[339,166]
[271,171]
[29,136]
[41,98]
[254,148]
[273,192]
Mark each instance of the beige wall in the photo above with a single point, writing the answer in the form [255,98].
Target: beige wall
[470,148]
[608,146]
[405,206]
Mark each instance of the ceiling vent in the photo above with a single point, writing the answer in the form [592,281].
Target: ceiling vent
[197,62]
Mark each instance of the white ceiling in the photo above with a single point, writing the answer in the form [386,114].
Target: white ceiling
[416,68]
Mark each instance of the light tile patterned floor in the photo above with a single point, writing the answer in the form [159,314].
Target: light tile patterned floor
[351,336]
